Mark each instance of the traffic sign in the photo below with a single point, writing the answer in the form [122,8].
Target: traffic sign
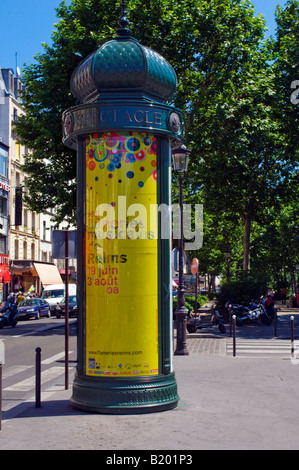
[194,266]
[175,259]
[59,244]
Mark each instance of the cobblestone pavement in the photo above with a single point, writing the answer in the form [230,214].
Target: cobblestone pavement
[211,346]
[251,339]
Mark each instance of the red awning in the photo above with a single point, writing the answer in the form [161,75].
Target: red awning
[6,277]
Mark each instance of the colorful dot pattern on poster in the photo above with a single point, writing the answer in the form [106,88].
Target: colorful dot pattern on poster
[119,151]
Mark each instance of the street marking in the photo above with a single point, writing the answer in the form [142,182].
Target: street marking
[28,384]
[54,358]
[44,328]
[14,370]
[265,348]
[14,409]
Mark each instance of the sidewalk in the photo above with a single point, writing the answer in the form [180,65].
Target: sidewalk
[226,403]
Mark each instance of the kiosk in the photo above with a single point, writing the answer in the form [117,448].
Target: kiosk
[123,133]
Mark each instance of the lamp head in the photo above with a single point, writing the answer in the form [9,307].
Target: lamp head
[180,158]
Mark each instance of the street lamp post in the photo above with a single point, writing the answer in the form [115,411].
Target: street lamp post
[180,158]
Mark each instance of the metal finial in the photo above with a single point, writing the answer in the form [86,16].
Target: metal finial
[123,21]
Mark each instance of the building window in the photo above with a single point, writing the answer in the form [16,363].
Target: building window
[18,150]
[18,179]
[16,249]
[2,244]
[25,219]
[3,207]
[11,79]
[25,250]
[32,250]
[3,166]
[3,161]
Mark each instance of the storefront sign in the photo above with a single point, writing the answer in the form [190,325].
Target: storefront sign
[4,186]
[96,117]
[4,259]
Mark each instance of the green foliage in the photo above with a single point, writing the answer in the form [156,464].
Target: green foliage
[234,87]
[243,289]
[205,41]
[190,302]
[51,167]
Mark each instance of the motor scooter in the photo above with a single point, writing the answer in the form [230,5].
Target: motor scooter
[205,321]
[9,317]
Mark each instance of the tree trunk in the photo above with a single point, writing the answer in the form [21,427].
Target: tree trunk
[293,281]
[246,244]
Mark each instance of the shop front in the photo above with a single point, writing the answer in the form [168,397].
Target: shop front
[32,276]
[4,277]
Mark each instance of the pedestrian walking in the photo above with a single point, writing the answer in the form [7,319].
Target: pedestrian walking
[283,295]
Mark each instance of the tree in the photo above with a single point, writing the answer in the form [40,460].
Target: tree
[243,150]
[50,166]
[276,246]
[286,69]
[206,42]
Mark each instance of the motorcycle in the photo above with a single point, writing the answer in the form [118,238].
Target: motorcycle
[9,316]
[195,323]
[251,314]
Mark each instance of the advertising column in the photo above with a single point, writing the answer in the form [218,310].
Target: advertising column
[123,132]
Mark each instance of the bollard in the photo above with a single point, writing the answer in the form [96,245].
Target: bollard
[38,378]
[275,322]
[234,335]
[292,335]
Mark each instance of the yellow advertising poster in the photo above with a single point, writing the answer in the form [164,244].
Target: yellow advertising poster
[121,255]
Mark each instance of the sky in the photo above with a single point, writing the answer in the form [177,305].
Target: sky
[26,24]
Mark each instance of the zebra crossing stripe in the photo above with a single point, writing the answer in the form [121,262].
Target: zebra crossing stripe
[58,356]
[27,384]
[14,370]
[266,347]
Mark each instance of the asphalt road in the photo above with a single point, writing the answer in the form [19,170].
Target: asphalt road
[18,371]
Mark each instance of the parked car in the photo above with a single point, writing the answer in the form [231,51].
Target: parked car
[33,308]
[55,293]
[60,308]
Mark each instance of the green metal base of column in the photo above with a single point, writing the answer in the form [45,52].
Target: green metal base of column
[125,396]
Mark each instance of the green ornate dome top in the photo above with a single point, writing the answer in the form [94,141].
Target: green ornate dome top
[123,65]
